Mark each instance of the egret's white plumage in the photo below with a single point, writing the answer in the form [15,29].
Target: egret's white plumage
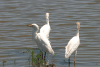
[42,42]
[45,29]
[73,43]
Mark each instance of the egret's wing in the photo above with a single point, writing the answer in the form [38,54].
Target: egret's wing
[45,30]
[44,43]
[72,46]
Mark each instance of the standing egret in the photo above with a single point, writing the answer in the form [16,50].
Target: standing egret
[73,44]
[46,28]
[42,42]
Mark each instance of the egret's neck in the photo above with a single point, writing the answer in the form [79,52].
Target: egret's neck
[47,20]
[34,32]
[77,30]
[77,33]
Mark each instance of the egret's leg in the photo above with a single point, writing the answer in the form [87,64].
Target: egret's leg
[69,64]
[69,60]
[44,55]
[75,55]
[74,64]
[47,58]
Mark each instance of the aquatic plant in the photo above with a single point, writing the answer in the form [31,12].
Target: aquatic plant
[36,59]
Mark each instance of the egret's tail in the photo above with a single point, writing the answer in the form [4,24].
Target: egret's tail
[67,55]
[51,51]
[67,52]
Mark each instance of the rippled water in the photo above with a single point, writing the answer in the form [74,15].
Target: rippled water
[15,36]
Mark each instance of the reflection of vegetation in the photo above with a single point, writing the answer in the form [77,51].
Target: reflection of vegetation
[37,59]
[4,62]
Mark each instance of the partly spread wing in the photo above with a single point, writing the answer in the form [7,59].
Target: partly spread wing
[44,43]
[72,46]
[45,30]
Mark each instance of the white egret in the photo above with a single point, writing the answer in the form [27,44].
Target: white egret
[73,44]
[45,29]
[42,41]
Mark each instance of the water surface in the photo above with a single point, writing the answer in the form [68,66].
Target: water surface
[15,36]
